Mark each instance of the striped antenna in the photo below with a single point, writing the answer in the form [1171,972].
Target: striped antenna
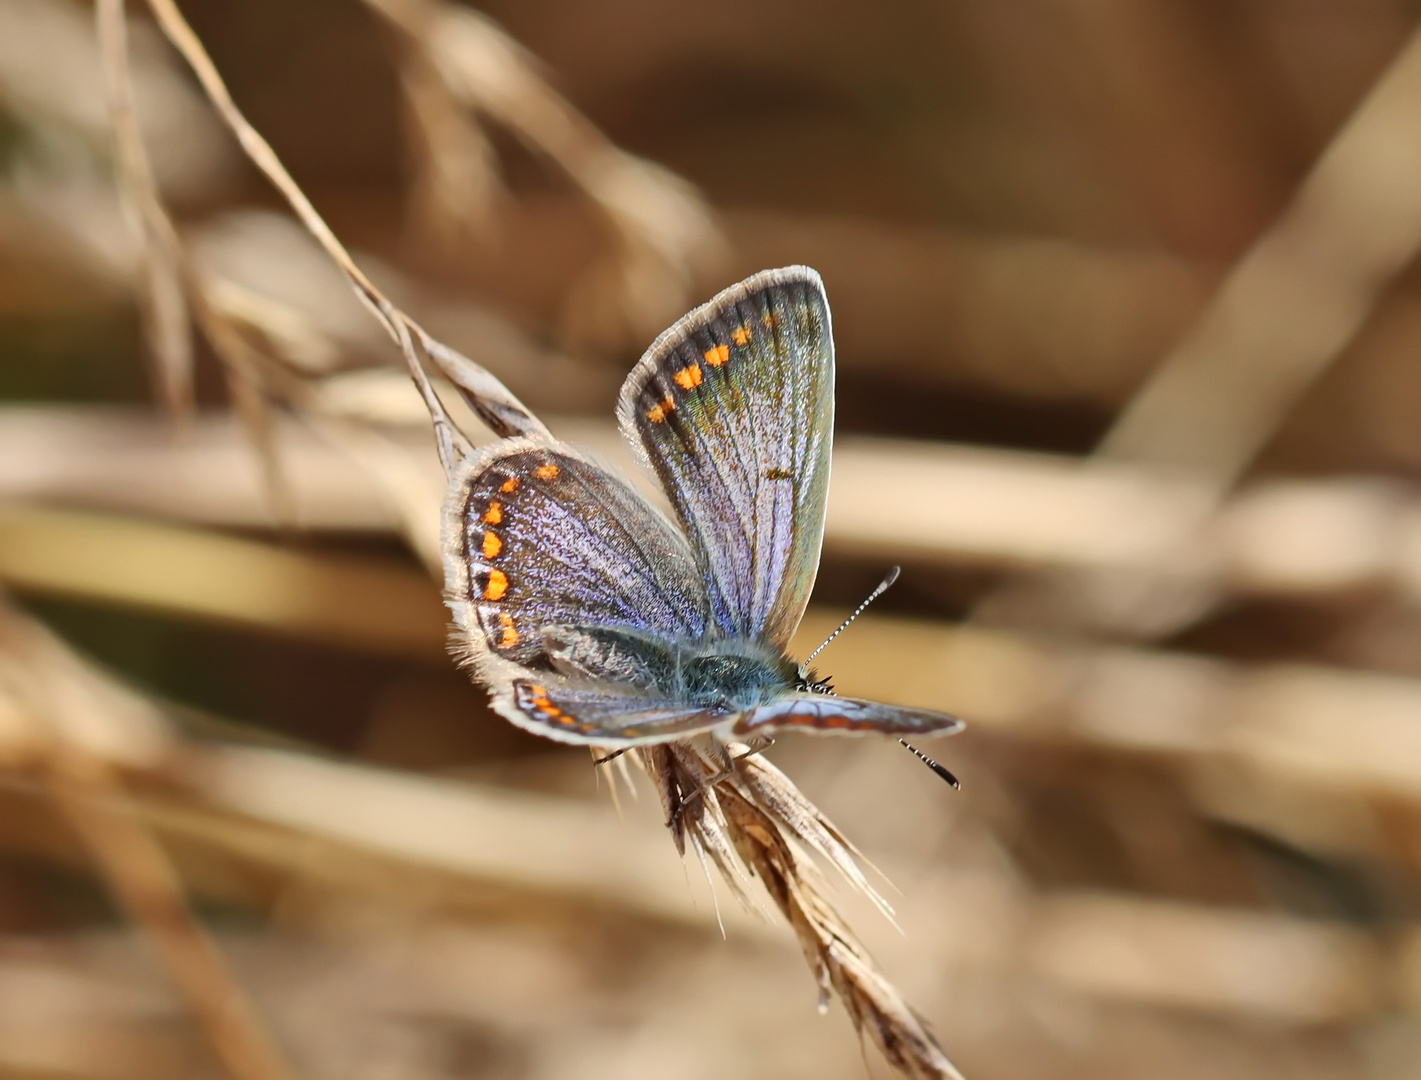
[933,765]
[883,587]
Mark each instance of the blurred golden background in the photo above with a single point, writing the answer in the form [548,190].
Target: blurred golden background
[1128,329]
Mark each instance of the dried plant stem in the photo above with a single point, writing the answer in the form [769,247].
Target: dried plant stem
[1284,314]
[60,698]
[1293,302]
[838,961]
[163,304]
[143,879]
[758,814]
[498,408]
[664,233]
[174,281]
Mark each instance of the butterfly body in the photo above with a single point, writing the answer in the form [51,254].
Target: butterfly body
[595,619]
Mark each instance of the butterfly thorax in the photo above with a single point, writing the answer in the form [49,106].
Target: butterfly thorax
[729,674]
[735,674]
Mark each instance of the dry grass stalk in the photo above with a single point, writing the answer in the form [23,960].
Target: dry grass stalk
[1294,301]
[162,298]
[838,961]
[663,233]
[753,820]
[1283,315]
[457,188]
[174,284]
[940,505]
[59,696]
[759,815]
[754,827]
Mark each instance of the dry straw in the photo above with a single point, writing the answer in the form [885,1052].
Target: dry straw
[753,822]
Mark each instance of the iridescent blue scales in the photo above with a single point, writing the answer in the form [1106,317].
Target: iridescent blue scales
[593,618]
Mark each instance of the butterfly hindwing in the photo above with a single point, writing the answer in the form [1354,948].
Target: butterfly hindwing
[537,536]
[734,408]
[603,716]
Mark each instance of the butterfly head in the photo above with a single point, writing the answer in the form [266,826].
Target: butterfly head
[809,681]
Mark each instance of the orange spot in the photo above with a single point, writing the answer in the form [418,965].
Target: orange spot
[836,722]
[688,378]
[492,544]
[494,514]
[546,472]
[510,632]
[509,486]
[657,413]
[494,590]
[768,320]
[740,335]
[717,356]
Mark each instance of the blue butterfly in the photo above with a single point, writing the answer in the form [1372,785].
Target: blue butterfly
[593,618]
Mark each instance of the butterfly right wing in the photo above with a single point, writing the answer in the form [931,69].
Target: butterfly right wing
[733,407]
[843,715]
[535,538]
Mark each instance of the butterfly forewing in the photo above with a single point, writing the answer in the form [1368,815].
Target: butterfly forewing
[541,537]
[734,408]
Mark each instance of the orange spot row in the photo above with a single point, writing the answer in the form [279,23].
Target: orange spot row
[496,587]
[740,335]
[510,632]
[546,472]
[492,545]
[717,356]
[509,486]
[688,378]
[494,514]
[657,413]
[547,708]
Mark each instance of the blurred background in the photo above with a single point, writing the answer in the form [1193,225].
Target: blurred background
[1128,325]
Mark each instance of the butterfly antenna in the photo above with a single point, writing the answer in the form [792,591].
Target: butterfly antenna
[933,765]
[883,587]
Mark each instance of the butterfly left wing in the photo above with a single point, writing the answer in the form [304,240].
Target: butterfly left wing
[734,409]
[828,712]
[574,712]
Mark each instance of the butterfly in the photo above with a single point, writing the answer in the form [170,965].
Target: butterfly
[593,618]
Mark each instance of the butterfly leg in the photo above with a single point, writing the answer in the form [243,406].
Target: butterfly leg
[763,743]
[610,757]
[704,784]
[727,770]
